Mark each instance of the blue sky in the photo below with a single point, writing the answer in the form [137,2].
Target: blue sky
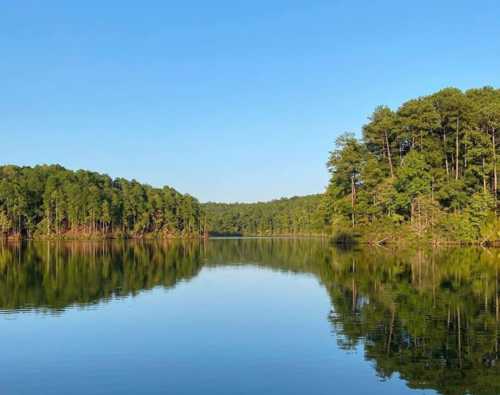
[226,100]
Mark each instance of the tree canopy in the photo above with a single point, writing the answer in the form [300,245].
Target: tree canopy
[53,201]
[294,216]
[427,169]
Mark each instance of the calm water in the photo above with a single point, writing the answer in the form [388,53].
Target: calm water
[247,316]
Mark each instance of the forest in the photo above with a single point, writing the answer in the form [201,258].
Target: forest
[427,170]
[293,216]
[424,171]
[51,201]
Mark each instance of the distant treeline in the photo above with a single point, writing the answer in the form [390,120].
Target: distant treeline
[294,216]
[428,169]
[51,201]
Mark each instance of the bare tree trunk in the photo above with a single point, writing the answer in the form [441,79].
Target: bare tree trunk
[484,177]
[495,179]
[389,158]
[353,199]
[446,154]
[465,150]
[457,150]
[48,221]
[57,219]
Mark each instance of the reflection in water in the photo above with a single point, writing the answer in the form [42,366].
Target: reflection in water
[53,276]
[430,316]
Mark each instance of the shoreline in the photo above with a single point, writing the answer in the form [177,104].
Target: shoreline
[345,243]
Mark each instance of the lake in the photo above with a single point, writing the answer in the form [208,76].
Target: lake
[247,316]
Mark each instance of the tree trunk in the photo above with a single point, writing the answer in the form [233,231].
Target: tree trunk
[457,149]
[465,150]
[353,199]
[484,177]
[446,154]
[389,158]
[57,219]
[48,221]
[495,179]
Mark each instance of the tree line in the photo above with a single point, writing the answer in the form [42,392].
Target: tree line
[51,201]
[293,216]
[427,169]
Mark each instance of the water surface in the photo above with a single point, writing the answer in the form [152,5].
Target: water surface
[247,316]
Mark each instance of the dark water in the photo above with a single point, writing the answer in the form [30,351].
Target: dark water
[247,317]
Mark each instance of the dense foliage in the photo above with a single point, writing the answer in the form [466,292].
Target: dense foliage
[428,169]
[294,216]
[53,201]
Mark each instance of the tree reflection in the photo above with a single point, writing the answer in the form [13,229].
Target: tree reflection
[429,316]
[53,276]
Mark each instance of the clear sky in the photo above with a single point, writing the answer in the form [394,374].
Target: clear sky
[226,100]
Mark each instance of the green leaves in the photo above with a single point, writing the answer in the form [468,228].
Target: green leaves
[432,163]
[294,216]
[51,201]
